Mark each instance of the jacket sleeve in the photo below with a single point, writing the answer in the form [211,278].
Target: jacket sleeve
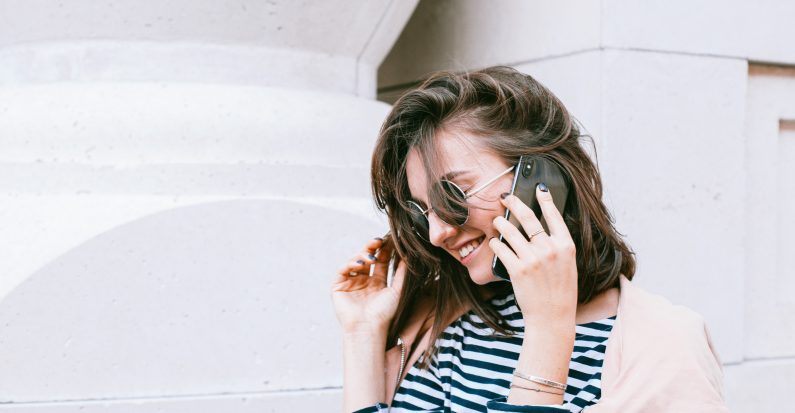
[500,405]
[672,367]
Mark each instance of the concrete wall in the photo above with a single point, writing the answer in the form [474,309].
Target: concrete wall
[694,138]
[179,182]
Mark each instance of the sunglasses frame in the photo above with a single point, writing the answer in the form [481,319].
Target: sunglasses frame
[465,196]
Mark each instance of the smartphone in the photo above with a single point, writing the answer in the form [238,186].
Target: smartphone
[530,171]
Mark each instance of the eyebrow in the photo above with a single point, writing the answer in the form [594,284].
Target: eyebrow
[453,174]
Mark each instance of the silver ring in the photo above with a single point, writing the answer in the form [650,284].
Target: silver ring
[353,274]
[530,239]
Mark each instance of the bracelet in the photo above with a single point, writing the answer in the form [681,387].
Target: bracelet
[535,389]
[540,380]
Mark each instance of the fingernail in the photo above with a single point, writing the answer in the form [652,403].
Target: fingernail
[542,186]
[504,195]
[371,257]
[360,262]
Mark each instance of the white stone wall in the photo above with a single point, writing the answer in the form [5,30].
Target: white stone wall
[180,179]
[694,138]
[179,182]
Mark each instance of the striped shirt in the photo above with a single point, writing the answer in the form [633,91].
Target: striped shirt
[472,372]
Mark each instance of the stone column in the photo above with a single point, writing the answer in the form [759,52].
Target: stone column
[178,183]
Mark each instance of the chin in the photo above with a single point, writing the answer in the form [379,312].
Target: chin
[479,268]
[487,278]
[482,275]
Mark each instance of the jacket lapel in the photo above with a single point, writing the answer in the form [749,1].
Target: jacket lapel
[416,337]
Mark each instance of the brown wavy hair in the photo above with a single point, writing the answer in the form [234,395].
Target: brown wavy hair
[510,114]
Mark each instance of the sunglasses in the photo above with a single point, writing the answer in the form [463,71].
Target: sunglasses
[419,216]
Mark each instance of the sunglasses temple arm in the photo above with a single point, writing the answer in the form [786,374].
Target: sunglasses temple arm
[480,188]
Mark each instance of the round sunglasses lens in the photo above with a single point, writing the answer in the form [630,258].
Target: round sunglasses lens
[458,213]
[419,220]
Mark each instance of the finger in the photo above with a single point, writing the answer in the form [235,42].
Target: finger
[361,263]
[384,252]
[557,227]
[381,264]
[358,267]
[508,258]
[368,259]
[339,280]
[352,270]
[526,217]
[373,245]
[512,235]
[344,282]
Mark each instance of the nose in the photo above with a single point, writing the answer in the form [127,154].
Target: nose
[438,230]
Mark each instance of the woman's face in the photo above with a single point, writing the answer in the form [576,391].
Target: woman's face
[463,154]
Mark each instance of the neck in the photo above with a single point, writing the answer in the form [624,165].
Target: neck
[602,306]
[489,290]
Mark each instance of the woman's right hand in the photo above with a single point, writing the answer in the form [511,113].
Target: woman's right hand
[365,303]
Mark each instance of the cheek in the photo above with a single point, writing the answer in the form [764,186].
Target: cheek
[481,219]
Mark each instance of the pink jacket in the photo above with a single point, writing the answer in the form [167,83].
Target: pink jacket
[659,357]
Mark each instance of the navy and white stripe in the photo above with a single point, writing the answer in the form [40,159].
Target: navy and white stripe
[473,372]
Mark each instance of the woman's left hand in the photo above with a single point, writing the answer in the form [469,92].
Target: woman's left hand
[544,270]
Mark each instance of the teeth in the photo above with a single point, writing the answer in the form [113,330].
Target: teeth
[467,249]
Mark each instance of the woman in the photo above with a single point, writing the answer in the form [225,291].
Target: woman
[545,341]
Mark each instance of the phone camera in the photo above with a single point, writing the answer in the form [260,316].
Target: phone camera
[527,169]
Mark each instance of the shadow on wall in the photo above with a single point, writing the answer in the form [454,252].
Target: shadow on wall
[216,298]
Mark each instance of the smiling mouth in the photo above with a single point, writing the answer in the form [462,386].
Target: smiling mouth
[469,248]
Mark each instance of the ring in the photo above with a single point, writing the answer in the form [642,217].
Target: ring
[534,234]
[353,274]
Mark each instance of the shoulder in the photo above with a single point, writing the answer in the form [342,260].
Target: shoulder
[660,354]
[672,339]
[653,312]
